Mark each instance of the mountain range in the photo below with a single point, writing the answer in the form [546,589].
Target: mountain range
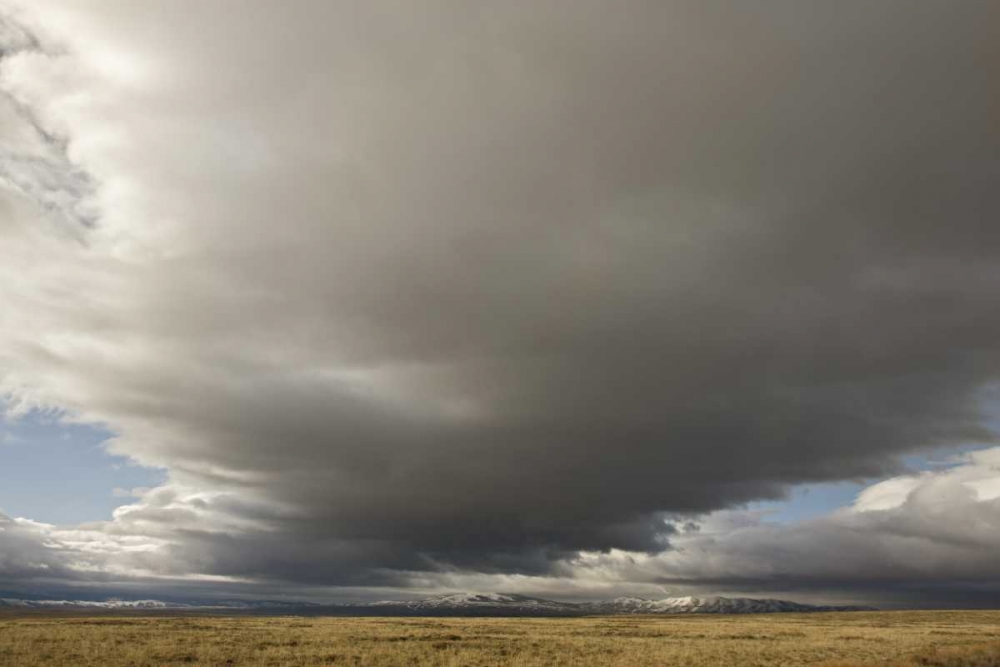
[457,604]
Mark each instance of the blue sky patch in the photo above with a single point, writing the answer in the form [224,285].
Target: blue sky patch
[59,473]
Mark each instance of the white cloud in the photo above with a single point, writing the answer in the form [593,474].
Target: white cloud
[930,529]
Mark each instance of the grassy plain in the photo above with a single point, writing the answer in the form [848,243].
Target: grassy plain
[945,639]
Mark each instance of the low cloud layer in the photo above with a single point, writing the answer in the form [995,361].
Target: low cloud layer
[905,540]
[922,538]
[402,291]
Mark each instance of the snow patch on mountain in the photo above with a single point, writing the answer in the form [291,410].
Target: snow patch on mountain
[119,604]
[457,604]
[478,602]
[509,604]
[707,605]
[112,603]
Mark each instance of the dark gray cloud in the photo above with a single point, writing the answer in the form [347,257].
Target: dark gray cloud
[405,288]
[23,555]
[916,538]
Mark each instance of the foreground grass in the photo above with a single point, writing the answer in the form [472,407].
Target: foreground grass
[940,639]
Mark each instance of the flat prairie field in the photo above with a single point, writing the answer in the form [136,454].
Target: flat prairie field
[945,638]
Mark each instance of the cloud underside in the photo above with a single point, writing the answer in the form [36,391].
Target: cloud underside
[928,538]
[424,290]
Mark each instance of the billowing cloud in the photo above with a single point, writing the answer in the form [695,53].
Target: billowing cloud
[400,289]
[910,538]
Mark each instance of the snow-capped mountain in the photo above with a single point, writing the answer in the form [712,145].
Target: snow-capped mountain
[112,603]
[467,604]
[478,603]
[706,605]
[456,604]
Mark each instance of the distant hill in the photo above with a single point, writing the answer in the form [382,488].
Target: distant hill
[116,604]
[474,604]
[457,604]
[710,605]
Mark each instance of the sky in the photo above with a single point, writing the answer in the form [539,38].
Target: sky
[342,301]
[60,472]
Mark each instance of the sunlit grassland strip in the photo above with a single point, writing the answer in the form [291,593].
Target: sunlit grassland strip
[944,638]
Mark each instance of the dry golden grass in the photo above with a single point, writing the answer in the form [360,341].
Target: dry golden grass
[941,639]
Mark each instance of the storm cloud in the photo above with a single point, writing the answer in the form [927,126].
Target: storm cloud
[397,290]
